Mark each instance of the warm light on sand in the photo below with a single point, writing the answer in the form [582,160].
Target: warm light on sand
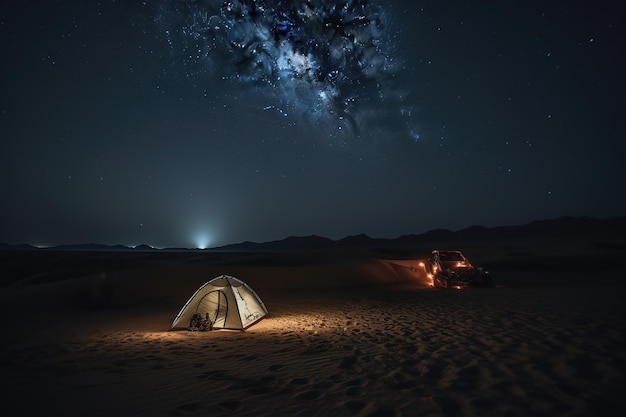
[305,323]
[429,277]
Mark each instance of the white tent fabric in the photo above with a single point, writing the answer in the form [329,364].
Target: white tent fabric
[230,303]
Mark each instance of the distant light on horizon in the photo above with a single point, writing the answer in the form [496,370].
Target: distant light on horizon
[202,240]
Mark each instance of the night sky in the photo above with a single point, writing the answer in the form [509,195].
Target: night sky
[180,123]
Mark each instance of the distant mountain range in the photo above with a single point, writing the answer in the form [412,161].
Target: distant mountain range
[561,228]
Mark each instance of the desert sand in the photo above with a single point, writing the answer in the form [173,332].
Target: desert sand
[350,333]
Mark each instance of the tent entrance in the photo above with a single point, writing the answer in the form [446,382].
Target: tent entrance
[216,304]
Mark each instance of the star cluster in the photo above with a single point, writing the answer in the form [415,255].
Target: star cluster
[330,63]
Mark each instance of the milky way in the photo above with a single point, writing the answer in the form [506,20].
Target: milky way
[330,63]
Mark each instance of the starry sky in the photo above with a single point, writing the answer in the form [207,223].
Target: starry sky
[180,123]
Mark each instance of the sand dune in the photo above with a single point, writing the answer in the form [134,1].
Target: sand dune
[346,336]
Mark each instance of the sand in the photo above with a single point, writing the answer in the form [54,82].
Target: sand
[349,334]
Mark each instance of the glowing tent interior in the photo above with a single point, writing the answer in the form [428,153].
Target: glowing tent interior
[229,302]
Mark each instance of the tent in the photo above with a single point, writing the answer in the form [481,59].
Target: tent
[230,303]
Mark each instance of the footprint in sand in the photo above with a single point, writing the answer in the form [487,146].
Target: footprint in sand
[259,390]
[383,411]
[355,406]
[347,362]
[299,381]
[230,405]
[354,392]
[213,375]
[310,395]
[187,409]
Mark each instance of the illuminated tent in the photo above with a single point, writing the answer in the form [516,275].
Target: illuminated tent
[230,303]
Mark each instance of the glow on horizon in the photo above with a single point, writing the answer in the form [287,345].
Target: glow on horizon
[202,240]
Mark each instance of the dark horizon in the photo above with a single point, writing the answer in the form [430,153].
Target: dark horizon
[560,227]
